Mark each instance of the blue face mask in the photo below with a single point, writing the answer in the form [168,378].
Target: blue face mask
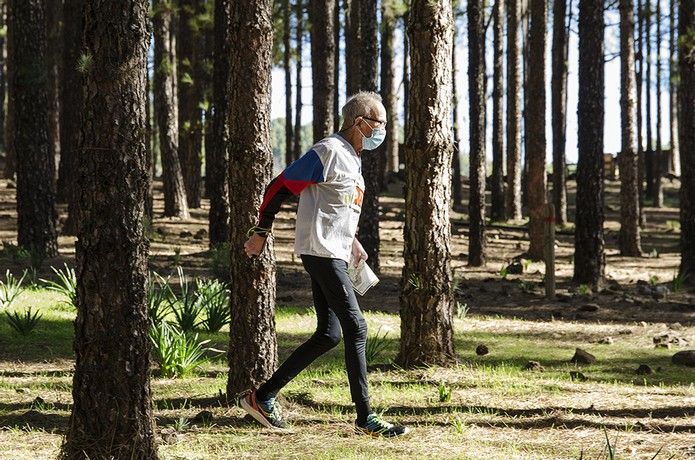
[373,141]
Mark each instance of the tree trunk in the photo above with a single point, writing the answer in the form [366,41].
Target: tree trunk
[534,125]
[299,40]
[589,258]
[686,112]
[497,209]
[3,73]
[559,110]
[406,69]
[190,97]
[71,100]
[252,341]
[36,215]
[640,124]
[165,108]
[477,108]
[629,239]
[426,300]
[336,66]
[9,128]
[362,76]
[322,60]
[352,45]
[658,190]
[208,26]
[149,152]
[675,162]
[456,183]
[388,152]
[218,155]
[513,113]
[54,32]
[112,410]
[649,156]
[287,53]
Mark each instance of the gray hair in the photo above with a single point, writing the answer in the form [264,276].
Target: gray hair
[359,105]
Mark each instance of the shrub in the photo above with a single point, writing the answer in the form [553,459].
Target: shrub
[214,299]
[158,294]
[186,306]
[376,345]
[177,353]
[66,284]
[23,324]
[10,289]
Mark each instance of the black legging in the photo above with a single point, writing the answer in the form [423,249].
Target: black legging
[336,307]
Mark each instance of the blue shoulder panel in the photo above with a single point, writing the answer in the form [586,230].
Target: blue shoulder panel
[307,168]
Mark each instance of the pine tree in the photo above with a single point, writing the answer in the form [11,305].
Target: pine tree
[534,125]
[112,409]
[686,113]
[559,109]
[165,108]
[28,88]
[218,155]
[513,113]
[629,239]
[252,339]
[322,62]
[426,299]
[497,188]
[589,257]
[477,108]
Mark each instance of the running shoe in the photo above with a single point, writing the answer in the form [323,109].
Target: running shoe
[375,426]
[267,413]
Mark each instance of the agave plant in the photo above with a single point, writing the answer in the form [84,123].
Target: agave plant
[376,344]
[158,294]
[23,323]
[10,289]
[187,305]
[66,284]
[177,353]
[214,298]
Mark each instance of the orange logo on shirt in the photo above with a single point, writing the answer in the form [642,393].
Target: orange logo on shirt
[359,196]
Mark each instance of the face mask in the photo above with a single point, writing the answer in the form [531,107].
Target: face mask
[373,141]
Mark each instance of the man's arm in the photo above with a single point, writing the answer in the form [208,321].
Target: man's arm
[301,173]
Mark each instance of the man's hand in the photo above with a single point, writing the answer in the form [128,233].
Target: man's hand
[254,245]
[358,253]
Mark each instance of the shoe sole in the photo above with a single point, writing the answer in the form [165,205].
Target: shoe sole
[375,434]
[257,415]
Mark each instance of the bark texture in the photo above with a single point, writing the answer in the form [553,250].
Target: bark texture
[477,108]
[218,155]
[513,113]
[190,96]
[534,126]
[36,215]
[252,343]
[497,188]
[426,300]
[112,410]
[362,76]
[71,99]
[686,112]
[323,50]
[589,257]
[559,109]
[629,238]
[165,108]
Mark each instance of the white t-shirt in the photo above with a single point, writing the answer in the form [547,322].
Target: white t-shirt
[329,210]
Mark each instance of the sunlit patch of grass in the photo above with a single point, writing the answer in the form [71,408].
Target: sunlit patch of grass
[494,409]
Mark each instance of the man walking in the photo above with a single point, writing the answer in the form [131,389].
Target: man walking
[328,179]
